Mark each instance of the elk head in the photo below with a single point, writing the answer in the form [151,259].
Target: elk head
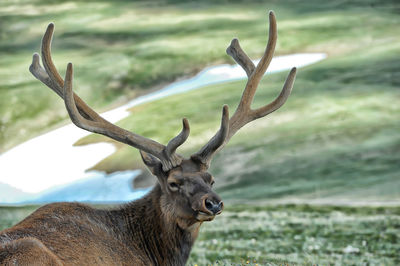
[186,184]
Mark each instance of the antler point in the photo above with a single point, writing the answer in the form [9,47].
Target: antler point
[185,123]
[35,58]
[68,77]
[48,34]
[272,17]
[50,27]
[225,115]
[271,14]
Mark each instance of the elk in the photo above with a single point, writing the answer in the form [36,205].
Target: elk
[161,227]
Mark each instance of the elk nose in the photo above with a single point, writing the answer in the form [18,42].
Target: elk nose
[214,207]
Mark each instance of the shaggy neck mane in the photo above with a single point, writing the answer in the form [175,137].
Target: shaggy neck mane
[145,224]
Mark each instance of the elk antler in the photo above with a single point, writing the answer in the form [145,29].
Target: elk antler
[244,114]
[86,118]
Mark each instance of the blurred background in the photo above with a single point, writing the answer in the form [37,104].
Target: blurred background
[317,182]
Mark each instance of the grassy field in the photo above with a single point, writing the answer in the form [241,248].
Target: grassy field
[336,141]
[289,234]
[300,234]
[332,141]
[121,48]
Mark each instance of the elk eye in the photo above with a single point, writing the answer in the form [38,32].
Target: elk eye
[173,186]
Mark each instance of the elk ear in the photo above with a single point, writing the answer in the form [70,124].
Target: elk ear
[152,163]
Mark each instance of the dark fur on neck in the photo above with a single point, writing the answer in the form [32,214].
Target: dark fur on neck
[164,238]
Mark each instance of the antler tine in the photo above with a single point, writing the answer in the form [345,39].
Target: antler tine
[86,118]
[258,73]
[70,104]
[42,74]
[46,57]
[58,82]
[280,100]
[38,72]
[240,57]
[174,143]
[205,154]
[244,114]
[49,75]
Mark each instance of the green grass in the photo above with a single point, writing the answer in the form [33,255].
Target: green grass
[335,140]
[288,234]
[119,48]
[300,234]
[122,48]
[10,215]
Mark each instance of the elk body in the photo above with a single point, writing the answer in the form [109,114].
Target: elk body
[158,229]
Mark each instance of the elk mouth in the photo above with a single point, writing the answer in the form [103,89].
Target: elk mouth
[204,217]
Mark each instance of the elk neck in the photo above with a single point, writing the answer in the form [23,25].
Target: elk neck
[150,224]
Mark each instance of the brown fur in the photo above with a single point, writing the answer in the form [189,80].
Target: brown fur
[158,229]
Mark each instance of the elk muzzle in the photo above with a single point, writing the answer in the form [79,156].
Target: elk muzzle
[214,206]
[207,206]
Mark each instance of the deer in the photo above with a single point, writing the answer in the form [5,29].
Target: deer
[159,228]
